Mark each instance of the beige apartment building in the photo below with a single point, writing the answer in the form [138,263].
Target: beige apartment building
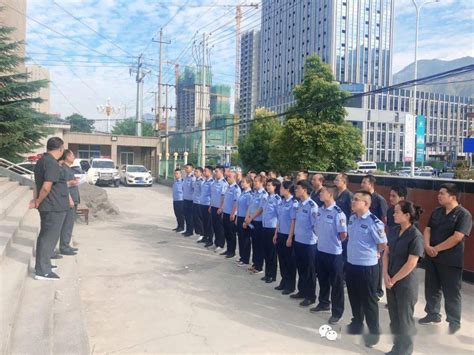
[13,15]
[37,72]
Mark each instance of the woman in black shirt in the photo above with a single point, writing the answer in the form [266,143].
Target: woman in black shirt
[405,247]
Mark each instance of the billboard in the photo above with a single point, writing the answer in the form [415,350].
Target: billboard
[409,135]
[420,138]
[468,145]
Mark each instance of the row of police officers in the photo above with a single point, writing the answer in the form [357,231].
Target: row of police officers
[326,233]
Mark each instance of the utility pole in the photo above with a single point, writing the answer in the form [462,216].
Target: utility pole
[167,145]
[160,72]
[238,18]
[203,100]
[139,109]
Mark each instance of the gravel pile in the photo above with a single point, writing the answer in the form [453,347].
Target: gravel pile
[97,200]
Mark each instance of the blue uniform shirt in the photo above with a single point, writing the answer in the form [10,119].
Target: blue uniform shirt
[286,215]
[256,203]
[230,198]
[218,189]
[178,190]
[330,222]
[243,203]
[205,198]
[188,187]
[270,210]
[305,222]
[197,190]
[365,233]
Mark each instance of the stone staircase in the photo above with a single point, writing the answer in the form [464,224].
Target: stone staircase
[36,317]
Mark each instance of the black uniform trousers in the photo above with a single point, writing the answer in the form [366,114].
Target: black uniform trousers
[208,232]
[362,284]
[448,280]
[269,253]
[401,300]
[229,232]
[197,219]
[218,227]
[178,207]
[67,228]
[286,259]
[380,292]
[330,276]
[256,234]
[244,240]
[50,230]
[188,215]
[306,265]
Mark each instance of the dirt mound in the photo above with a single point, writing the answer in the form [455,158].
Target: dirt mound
[97,200]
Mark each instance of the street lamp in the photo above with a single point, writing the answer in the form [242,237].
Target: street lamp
[418,6]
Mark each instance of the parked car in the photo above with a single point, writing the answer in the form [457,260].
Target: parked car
[103,171]
[135,175]
[447,175]
[366,167]
[82,163]
[424,174]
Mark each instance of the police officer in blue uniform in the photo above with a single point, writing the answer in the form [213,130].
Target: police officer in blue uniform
[305,244]
[197,215]
[331,229]
[229,211]
[282,239]
[243,203]
[253,220]
[367,240]
[269,223]
[188,192]
[205,204]
[218,189]
[178,203]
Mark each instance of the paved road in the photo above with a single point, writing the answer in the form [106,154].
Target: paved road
[146,289]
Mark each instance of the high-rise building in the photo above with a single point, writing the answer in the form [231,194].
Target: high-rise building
[12,14]
[37,72]
[353,36]
[249,67]
[220,100]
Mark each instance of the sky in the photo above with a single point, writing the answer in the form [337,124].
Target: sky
[90,60]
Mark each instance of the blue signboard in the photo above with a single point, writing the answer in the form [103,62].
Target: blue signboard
[420,138]
[468,145]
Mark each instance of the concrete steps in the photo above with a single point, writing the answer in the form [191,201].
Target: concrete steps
[36,317]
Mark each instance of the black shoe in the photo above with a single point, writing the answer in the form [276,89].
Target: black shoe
[208,244]
[74,249]
[320,308]
[51,276]
[265,278]
[287,292]
[430,318]
[187,235]
[306,302]
[297,296]
[279,288]
[453,328]
[223,253]
[230,256]
[67,252]
[334,320]
[270,280]
[355,328]
[180,230]
[175,229]
[371,340]
[56,256]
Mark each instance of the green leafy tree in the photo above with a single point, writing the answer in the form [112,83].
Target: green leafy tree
[21,127]
[255,147]
[128,127]
[80,124]
[315,135]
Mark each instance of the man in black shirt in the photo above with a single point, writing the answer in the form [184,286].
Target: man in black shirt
[379,208]
[443,238]
[317,182]
[51,198]
[344,202]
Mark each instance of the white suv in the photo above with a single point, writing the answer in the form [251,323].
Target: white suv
[103,171]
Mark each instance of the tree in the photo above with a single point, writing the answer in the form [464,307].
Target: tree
[255,147]
[80,124]
[21,127]
[315,135]
[128,127]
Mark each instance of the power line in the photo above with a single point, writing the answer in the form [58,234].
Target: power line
[90,28]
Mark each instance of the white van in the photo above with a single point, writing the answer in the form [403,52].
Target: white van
[366,167]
